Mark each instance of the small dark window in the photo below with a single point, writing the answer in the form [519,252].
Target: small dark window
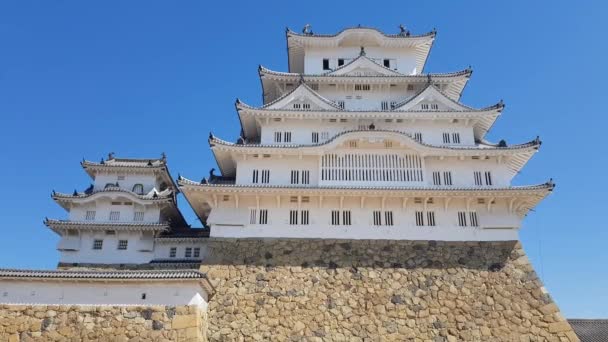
[340,61]
[143,296]
[325,64]
[387,63]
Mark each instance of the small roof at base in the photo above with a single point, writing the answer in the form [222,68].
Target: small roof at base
[590,330]
[102,275]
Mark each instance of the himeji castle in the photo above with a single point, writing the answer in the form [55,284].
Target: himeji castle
[361,201]
[355,141]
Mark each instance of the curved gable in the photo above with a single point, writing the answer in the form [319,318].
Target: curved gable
[431,99]
[304,98]
[363,66]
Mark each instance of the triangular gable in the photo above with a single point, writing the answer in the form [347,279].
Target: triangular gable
[363,66]
[302,98]
[431,99]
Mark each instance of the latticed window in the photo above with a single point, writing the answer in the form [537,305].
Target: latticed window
[138,189]
[304,217]
[436,178]
[477,177]
[377,216]
[265,176]
[425,220]
[123,244]
[172,252]
[188,252]
[362,87]
[114,215]
[446,138]
[97,244]
[293,217]
[90,215]
[488,178]
[344,219]
[258,216]
[472,219]
[315,137]
[197,252]
[447,178]
[418,137]
[388,218]
[456,138]
[371,167]
[138,216]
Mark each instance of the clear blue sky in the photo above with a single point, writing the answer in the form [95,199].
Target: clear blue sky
[82,78]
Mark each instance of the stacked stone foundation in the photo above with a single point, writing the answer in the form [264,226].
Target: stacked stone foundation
[377,290]
[22,323]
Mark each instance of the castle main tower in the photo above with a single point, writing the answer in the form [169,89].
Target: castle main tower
[356,142]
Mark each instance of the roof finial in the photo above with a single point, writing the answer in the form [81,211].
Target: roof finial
[163,156]
[307,30]
[362,52]
[75,193]
[211,136]
[212,175]
[102,162]
[301,80]
[110,155]
[428,79]
[403,31]
[551,183]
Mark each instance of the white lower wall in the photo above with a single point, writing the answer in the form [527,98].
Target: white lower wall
[358,232]
[52,292]
[496,222]
[109,254]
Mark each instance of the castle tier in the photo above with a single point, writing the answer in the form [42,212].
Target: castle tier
[124,217]
[355,142]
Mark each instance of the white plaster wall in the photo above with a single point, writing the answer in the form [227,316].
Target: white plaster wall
[52,292]
[495,223]
[280,168]
[162,250]
[102,206]
[366,100]
[139,249]
[462,170]
[313,58]
[432,131]
[149,181]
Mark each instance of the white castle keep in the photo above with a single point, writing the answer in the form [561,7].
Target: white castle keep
[353,142]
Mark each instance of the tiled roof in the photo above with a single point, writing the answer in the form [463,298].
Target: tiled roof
[545,186]
[590,330]
[101,275]
[304,85]
[92,225]
[403,36]
[478,147]
[166,194]
[422,77]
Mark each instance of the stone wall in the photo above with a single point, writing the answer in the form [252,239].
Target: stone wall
[20,323]
[374,290]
